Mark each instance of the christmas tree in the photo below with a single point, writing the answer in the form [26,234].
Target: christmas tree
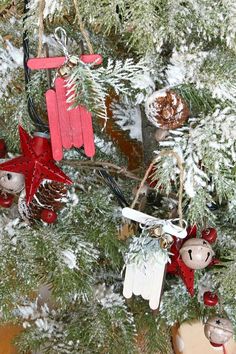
[139,99]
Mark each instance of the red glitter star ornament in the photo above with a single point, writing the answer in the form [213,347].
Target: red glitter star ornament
[36,163]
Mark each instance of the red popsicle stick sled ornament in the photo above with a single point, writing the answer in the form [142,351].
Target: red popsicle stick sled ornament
[72,127]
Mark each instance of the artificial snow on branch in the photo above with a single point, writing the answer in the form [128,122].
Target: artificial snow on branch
[91,87]
[207,148]
[10,59]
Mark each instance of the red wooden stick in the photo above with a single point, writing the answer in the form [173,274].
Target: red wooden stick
[54,125]
[56,62]
[45,63]
[75,122]
[64,119]
[91,58]
[87,131]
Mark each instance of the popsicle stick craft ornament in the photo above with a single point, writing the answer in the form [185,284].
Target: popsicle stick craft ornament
[148,256]
[68,127]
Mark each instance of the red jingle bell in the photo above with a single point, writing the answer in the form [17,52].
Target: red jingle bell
[48,216]
[210,299]
[209,235]
[3,148]
[6,200]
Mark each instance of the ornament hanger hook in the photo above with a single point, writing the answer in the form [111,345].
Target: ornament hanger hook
[61,37]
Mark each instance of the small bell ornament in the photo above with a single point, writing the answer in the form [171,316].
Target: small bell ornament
[11,182]
[196,253]
[218,330]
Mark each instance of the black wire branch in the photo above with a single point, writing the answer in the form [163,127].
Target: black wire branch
[35,117]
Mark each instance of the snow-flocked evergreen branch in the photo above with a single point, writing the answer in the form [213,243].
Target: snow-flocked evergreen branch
[92,86]
[207,147]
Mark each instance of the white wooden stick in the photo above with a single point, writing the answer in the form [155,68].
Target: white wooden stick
[158,278]
[168,226]
[136,215]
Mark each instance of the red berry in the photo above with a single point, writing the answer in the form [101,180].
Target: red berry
[3,148]
[48,216]
[210,299]
[209,235]
[6,200]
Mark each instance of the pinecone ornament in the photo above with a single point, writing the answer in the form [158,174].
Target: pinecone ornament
[48,197]
[166,109]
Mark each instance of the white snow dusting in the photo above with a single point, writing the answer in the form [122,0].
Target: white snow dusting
[10,59]
[52,6]
[69,258]
[106,296]
[128,117]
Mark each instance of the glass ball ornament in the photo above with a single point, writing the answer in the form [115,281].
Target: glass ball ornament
[11,182]
[196,253]
[218,330]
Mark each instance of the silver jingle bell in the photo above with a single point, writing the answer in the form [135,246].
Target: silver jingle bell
[196,253]
[218,330]
[11,182]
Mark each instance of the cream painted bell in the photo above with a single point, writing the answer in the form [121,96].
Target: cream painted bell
[218,330]
[11,182]
[196,253]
